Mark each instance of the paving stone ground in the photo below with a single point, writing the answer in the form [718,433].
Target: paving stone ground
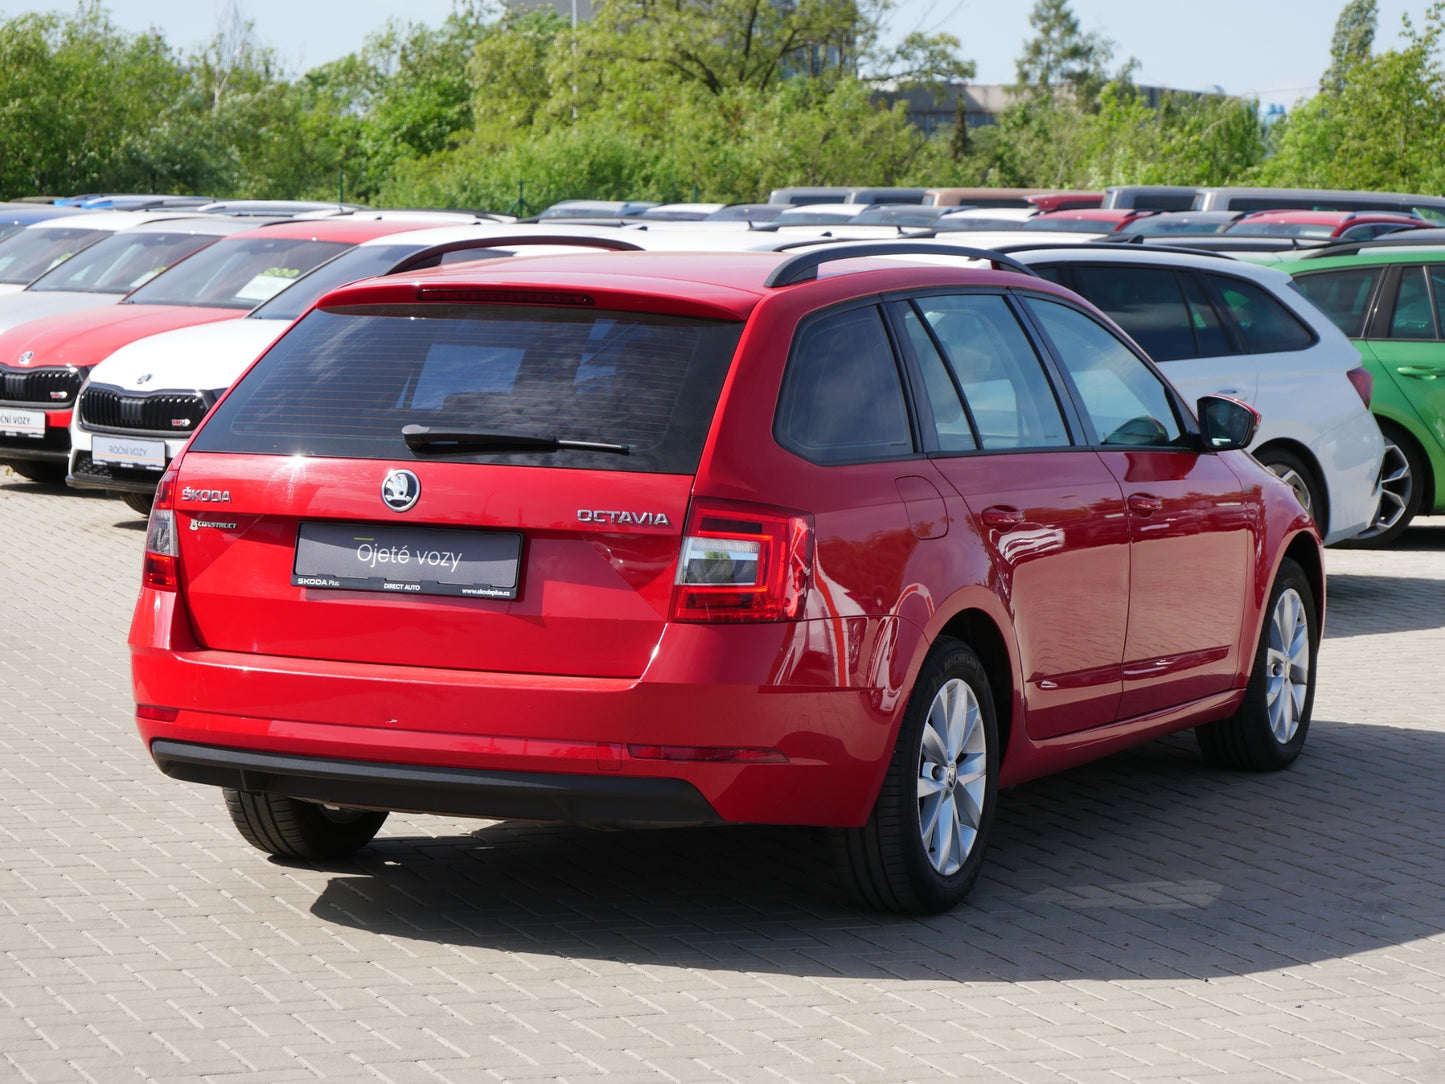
[1139,919]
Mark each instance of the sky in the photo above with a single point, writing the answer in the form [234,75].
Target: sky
[1273,50]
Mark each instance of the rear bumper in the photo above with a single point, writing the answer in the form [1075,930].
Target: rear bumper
[1350,455]
[600,801]
[714,730]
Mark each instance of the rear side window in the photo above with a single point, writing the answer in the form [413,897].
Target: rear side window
[1342,295]
[1148,303]
[1265,325]
[1414,315]
[842,399]
[344,382]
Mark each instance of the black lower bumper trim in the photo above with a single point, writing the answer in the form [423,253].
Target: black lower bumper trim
[603,801]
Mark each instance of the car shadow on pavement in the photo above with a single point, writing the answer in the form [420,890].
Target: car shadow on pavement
[1359,605]
[60,489]
[1142,865]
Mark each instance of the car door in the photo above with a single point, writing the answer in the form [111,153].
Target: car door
[1191,528]
[1406,340]
[1049,512]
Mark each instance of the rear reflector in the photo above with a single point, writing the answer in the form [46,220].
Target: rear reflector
[155,714]
[709,753]
[742,562]
[1364,383]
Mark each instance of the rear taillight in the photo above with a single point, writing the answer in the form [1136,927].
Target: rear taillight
[1364,383]
[742,562]
[162,549]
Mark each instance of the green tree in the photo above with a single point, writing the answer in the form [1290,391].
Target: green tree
[1354,37]
[74,93]
[1381,131]
[1061,53]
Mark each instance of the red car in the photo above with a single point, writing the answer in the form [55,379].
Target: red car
[44,362]
[1087,219]
[659,539]
[1324,225]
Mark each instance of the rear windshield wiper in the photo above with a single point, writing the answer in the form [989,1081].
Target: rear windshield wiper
[426,438]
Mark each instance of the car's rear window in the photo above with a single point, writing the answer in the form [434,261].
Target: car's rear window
[345,381]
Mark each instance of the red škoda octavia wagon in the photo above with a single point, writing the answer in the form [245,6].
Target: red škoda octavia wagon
[844,538]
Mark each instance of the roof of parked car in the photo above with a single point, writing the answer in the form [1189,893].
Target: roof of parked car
[726,285]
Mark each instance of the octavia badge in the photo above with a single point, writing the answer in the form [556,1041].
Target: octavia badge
[400,489]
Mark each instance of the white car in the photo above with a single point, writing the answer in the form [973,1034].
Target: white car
[104,272]
[1218,326]
[139,405]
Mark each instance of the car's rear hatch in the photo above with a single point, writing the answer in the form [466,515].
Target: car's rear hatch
[366,494]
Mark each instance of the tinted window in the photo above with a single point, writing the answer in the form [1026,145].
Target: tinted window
[344,382]
[1147,302]
[1265,325]
[122,262]
[1342,295]
[950,423]
[1002,378]
[235,274]
[29,254]
[1414,315]
[842,400]
[1123,399]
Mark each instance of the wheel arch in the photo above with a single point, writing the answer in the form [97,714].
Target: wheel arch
[1305,552]
[1308,458]
[981,633]
[1403,433]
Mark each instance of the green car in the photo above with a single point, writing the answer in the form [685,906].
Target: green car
[1390,300]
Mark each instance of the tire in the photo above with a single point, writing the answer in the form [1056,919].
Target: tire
[921,854]
[291,828]
[1403,474]
[50,474]
[1268,731]
[139,502]
[1300,477]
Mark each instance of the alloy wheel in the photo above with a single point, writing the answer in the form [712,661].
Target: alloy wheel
[1288,666]
[952,776]
[1397,485]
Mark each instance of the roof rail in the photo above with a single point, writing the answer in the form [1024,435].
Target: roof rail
[613,244]
[1400,239]
[1105,244]
[804,266]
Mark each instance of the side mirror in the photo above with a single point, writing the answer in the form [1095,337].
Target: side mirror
[1226,423]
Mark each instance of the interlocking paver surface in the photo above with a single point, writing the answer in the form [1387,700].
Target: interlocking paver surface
[1139,919]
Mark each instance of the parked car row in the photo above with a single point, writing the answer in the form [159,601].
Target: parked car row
[750,527]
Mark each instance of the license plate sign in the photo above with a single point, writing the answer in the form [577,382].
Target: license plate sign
[22,423]
[123,452]
[407,560]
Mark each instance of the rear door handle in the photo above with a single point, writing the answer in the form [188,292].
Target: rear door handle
[1145,503]
[1418,371]
[1001,517]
